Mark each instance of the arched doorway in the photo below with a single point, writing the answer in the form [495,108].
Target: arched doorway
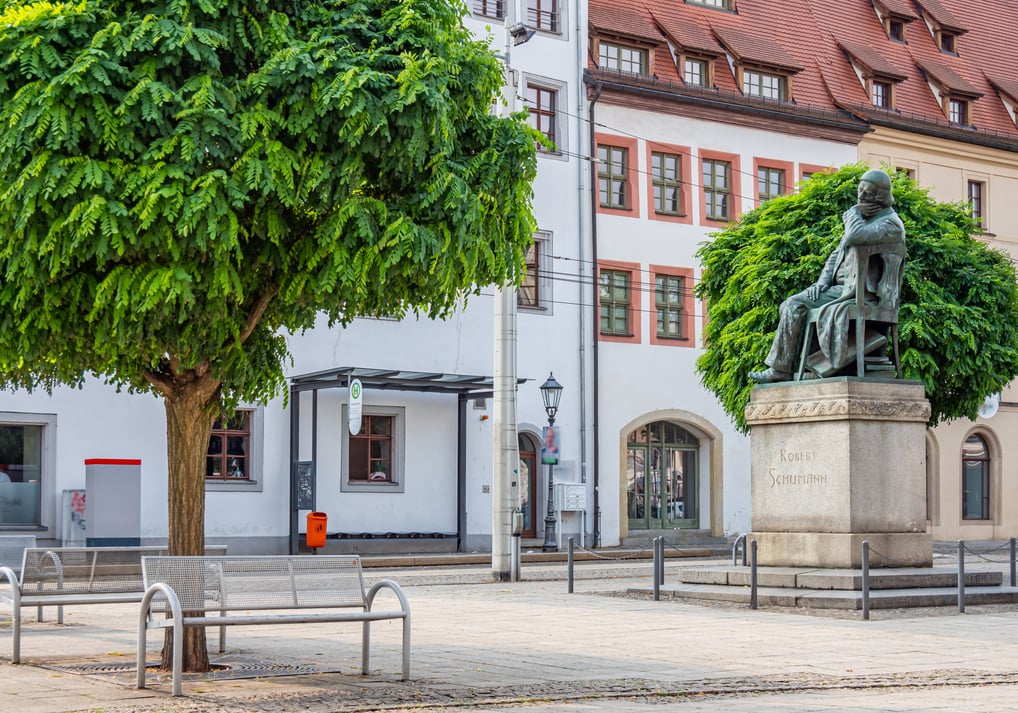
[528,484]
[662,471]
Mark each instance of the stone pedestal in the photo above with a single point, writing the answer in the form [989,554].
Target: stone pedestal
[835,462]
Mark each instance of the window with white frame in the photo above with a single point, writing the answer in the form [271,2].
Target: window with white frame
[622,58]
[958,111]
[763,84]
[695,72]
[373,459]
[881,92]
[723,4]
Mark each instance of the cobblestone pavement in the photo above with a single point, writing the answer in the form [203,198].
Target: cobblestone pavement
[531,645]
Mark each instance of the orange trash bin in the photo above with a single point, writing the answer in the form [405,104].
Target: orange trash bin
[317,522]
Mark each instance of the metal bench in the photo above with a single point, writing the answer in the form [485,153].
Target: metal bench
[55,576]
[273,589]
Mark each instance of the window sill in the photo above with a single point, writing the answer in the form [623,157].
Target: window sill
[380,488]
[236,486]
[671,215]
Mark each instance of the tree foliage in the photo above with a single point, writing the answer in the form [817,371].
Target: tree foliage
[183,181]
[179,180]
[958,321]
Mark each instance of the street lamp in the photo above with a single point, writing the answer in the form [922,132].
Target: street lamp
[551,394]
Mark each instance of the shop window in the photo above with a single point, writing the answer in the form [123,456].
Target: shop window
[21,474]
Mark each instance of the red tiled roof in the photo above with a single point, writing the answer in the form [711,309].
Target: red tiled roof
[689,35]
[635,22]
[1007,86]
[807,37]
[947,77]
[901,9]
[756,48]
[869,58]
[941,15]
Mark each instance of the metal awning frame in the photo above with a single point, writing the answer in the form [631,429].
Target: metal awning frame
[465,387]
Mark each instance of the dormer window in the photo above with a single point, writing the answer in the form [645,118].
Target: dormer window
[695,72]
[615,57]
[948,42]
[958,111]
[943,26]
[896,30]
[881,93]
[763,84]
[722,4]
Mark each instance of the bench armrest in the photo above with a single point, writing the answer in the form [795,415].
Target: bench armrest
[145,615]
[388,584]
[9,574]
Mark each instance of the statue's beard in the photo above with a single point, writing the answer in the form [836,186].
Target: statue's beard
[869,208]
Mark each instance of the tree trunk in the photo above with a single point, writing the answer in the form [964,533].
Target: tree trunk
[188,427]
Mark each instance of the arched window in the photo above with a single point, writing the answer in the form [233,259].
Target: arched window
[975,479]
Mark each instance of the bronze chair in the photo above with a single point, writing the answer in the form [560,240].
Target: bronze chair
[877,299]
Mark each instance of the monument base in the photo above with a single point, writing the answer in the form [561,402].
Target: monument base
[835,462]
[843,550]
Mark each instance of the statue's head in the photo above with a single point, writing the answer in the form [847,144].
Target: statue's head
[875,188]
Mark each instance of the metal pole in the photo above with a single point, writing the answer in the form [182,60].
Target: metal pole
[1013,540]
[752,574]
[514,554]
[569,564]
[865,579]
[961,576]
[657,580]
[505,446]
[661,560]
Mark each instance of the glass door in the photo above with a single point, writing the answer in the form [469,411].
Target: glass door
[661,476]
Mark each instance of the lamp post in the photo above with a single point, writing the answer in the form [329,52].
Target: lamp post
[551,394]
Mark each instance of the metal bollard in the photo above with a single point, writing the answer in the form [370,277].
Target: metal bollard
[866,579]
[569,565]
[1013,583]
[657,580]
[752,574]
[661,560]
[961,576]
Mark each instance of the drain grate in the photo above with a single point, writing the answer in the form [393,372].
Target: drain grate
[224,668]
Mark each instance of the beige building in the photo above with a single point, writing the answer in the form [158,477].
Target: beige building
[969,493]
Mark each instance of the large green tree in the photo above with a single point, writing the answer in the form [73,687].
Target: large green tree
[959,313]
[183,180]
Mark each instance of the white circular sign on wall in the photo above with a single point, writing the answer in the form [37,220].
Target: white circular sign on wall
[989,407]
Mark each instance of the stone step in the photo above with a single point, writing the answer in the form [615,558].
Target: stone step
[838,579]
[837,599]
